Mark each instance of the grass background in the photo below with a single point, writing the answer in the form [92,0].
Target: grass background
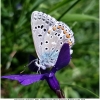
[80,79]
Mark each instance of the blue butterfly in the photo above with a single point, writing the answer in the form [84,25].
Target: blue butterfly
[53,41]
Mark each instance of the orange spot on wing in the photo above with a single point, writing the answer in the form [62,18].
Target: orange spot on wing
[49,31]
[64,32]
[59,27]
[67,35]
[62,28]
[54,28]
[69,42]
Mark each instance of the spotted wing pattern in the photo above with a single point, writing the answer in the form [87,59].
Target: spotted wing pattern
[49,35]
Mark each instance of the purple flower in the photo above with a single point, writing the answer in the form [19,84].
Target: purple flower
[63,60]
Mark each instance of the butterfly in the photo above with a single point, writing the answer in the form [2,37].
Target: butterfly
[53,41]
[49,35]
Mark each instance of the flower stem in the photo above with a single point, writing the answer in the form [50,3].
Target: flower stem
[60,94]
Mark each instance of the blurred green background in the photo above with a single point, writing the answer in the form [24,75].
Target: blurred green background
[80,79]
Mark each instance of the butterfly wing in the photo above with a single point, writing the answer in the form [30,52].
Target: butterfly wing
[49,35]
[40,23]
[57,35]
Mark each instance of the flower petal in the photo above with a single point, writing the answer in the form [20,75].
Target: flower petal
[25,79]
[53,83]
[63,58]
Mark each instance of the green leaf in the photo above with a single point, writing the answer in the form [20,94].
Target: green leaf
[84,89]
[73,93]
[66,92]
[78,17]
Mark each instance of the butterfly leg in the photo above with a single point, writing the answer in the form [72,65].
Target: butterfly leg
[38,71]
[40,66]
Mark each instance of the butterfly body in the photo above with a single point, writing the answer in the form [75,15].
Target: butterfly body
[49,35]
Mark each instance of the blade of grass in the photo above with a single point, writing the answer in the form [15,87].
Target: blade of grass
[58,5]
[90,6]
[36,4]
[83,89]
[78,17]
[68,9]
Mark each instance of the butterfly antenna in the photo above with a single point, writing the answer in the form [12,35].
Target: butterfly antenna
[22,71]
[27,66]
